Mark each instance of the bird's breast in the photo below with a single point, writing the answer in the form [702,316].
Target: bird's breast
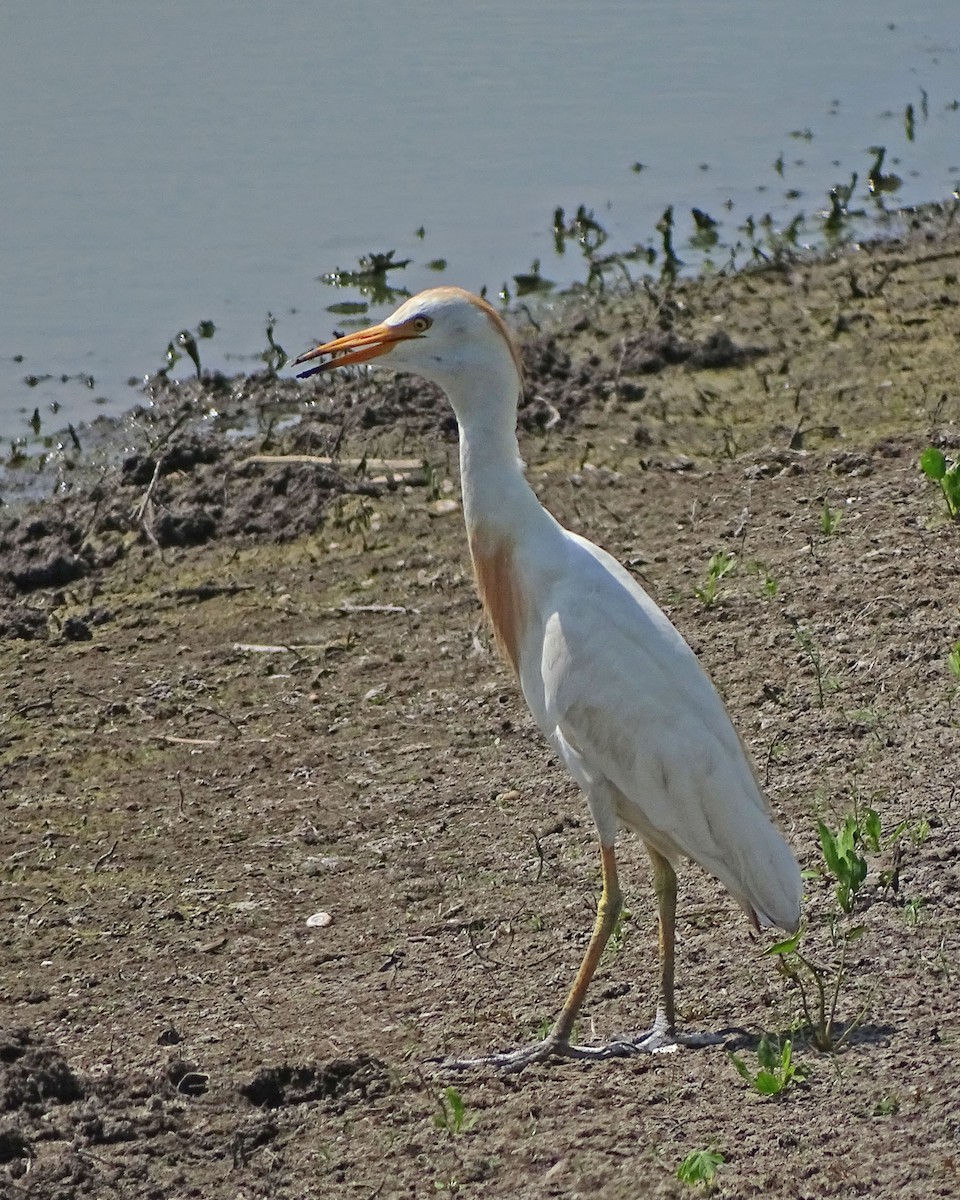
[499,584]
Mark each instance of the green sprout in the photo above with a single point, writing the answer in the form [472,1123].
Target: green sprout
[700,1166]
[776,1068]
[946,472]
[719,566]
[452,1115]
[830,519]
[809,647]
[847,866]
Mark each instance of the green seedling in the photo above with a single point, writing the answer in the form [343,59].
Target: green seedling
[452,1115]
[945,472]
[918,831]
[836,219]
[719,566]
[886,1106]
[830,519]
[699,1167]
[847,866]
[953,660]
[809,647]
[769,584]
[776,1068]
[870,829]
[584,229]
[877,181]
[432,480]
[370,277]
[586,232]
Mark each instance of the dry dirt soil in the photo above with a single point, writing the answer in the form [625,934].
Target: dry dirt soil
[236,694]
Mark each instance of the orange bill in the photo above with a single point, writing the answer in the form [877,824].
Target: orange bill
[356,347]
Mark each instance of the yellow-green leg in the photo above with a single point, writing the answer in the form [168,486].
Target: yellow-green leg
[665,886]
[609,908]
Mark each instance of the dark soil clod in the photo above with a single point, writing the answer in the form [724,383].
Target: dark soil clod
[342,1079]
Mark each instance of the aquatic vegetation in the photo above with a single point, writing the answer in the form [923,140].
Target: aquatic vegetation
[187,342]
[370,277]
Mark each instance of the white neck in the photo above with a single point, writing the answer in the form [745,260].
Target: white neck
[496,494]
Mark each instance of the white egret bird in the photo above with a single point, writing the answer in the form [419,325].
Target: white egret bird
[607,677]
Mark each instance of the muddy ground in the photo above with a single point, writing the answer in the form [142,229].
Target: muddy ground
[236,694]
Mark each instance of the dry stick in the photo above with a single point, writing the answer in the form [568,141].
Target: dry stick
[400,465]
[348,609]
[109,854]
[206,591]
[96,509]
[215,713]
[141,509]
[167,434]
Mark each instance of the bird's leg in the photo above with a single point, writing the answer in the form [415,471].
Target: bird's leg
[557,1043]
[663,1036]
[665,887]
[608,910]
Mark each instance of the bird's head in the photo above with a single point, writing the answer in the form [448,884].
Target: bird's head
[445,335]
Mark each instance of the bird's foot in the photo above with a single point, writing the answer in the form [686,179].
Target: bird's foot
[513,1061]
[661,1039]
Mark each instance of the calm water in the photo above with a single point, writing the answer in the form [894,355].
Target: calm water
[165,164]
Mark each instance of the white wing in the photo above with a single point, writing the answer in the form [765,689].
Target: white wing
[635,717]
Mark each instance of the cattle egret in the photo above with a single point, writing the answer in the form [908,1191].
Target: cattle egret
[607,677]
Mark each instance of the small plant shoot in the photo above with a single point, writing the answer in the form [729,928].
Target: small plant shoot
[830,519]
[452,1116]
[945,472]
[847,866]
[719,566]
[776,1068]
[699,1167]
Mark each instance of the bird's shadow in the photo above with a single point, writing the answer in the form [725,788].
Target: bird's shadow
[841,1034]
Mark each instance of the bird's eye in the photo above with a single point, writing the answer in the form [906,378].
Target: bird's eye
[421,324]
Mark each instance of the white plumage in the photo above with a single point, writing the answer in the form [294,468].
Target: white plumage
[606,676]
